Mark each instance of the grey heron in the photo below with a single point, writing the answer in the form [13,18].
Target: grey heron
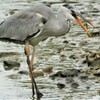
[37,23]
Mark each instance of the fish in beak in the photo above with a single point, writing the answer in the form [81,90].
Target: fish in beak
[76,16]
[81,24]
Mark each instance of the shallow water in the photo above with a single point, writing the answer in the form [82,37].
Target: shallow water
[55,52]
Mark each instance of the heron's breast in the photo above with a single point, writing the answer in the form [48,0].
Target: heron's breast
[59,29]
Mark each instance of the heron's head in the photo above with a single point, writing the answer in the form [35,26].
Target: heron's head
[70,13]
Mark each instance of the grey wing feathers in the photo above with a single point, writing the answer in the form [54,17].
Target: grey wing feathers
[20,25]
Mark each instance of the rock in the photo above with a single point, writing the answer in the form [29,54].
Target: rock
[65,41]
[73,44]
[72,57]
[38,73]
[97,33]
[96,62]
[23,72]
[82,63]
[83,43]
[83,76]
[98,91]
[91,60]
[70,72]
[97,73]
[48,69]
[60,85]
[69,80]
[13,76]
[7,54]
[88,87]
[66,73]
[8,65]
[57,74]
[75,85]
[12,11]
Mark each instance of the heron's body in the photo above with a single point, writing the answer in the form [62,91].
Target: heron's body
[27,24]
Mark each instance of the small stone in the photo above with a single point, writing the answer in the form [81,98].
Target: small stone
[23,72]
[48,69]
[94,59]
[73,44]
[38,73]
[12,11]
[88,87]
[60,85]
[75,85]
[8,54]
[69,80]
[83,43]
[70,72]
[57,74]
[13,76]
[83,76]
[72,56]
[8,65]
[65,41]
[65,73]
[94,34]
[98,91]
[82,63]
[97,73]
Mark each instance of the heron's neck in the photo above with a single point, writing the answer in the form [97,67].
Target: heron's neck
[61,14]
[44,10]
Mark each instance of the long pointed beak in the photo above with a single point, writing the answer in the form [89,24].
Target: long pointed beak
[81,24]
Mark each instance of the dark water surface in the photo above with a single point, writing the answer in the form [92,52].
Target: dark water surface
[55,52]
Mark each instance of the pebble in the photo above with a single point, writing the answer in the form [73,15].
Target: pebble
[60,85]
[8,65]
[72,56]
[23,72]
[65,73]
[97,73]
[70,72]
[48,69]
[83,76]
[37,73]
[75,85]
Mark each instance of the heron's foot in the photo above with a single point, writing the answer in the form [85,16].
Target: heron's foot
[39,95]
[33,98]
[33,92]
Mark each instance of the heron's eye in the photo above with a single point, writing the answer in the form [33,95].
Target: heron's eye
[73,13]
[44,20]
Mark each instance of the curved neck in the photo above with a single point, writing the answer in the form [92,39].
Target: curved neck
[44,10]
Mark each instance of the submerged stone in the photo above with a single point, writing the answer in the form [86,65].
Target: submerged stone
[38,73]
[23,72]
[48,69]
[75,85]
[71,72]
[7,54]
[69,80]
[97,73]
[97,33]
[8,65]
[91,60]
[13,76]
[83,76]
[60,85]
[66,73]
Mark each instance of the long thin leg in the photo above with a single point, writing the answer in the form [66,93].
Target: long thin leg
[30,64]
[27,52]
[38,93]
